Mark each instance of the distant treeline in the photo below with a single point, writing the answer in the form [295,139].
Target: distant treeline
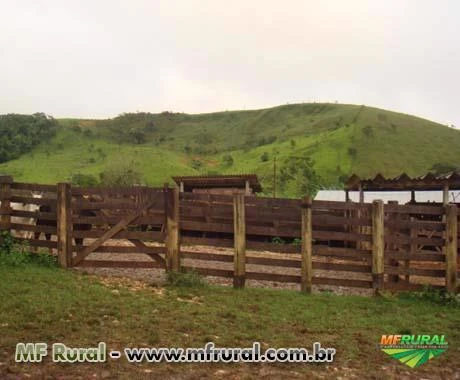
[20,133]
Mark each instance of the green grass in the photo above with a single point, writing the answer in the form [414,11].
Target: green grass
[46,304]
[342,139]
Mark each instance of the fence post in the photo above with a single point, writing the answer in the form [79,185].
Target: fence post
[5,207]
[378,245]
[394,263]
[64,224]
[451,247]
[307,247]
[172,230]
[239,230]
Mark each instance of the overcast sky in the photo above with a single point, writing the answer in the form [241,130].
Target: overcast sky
[101,58]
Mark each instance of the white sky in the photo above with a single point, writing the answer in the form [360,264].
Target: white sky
[101,58]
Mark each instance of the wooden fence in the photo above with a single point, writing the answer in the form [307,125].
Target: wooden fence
[374,246]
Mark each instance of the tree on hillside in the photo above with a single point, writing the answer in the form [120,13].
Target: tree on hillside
[301,171]
[121,173]
[20,133]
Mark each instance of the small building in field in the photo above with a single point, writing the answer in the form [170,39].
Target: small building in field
[219,184]
[429,188]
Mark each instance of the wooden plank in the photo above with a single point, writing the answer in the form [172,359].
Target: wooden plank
[345,236]
[118,264]
[64,224]
[115,190]
[34,187]
[430,257]
[52,216]
[451,248]
[206,256]
[239,227]
[414,209]
[392,239]
[330,220]
[272,247]
[123,249]
[342,267]
[342,253]
[274,262]
[33,228]
[32,200]
[275,277]
[140,235]
[342,282]
[306,248]
[209,271]
[417,224]
[415,271]
[333,205]
[378,245]
[112,220]
[37,243]
[215,242]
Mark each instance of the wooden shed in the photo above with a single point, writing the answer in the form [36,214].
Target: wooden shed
[428,182]
[220,184]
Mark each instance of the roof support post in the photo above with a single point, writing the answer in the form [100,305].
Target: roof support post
[445,194]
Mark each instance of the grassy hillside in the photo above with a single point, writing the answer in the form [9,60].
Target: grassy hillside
[341,139]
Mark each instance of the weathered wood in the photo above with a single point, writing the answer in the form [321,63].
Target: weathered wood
[109,234]
[390,229]
[239,226]
[451,247]
[209,271]
[119,264]
[141,246]
[275,277]
[378,244]
[5,206]
[33,187]
[64,224]
[342,282]
[415,271]
[37,243]
[415,209]
[140,235]
[172,241]
[206,256]
[342,253]
[33,228]
[307,249]
[126,249]
[32,200]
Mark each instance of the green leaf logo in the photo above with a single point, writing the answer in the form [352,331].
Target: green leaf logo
[413,357]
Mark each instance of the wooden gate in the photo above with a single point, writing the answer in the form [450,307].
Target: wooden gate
[97,221]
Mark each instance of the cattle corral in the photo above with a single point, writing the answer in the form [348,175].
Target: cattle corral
[238,238]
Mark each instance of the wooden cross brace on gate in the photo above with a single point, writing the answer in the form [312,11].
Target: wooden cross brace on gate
[121,225]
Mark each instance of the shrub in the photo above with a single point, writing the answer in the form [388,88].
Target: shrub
[85,180]
[121,173]
[437,296]
[264,157]
[227,160]
[189,279]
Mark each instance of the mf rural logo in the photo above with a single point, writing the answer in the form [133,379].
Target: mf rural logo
[413,350]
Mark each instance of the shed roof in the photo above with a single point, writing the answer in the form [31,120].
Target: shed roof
[403,182]
[229,180]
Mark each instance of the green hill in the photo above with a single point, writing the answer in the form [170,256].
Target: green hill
[340,139]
